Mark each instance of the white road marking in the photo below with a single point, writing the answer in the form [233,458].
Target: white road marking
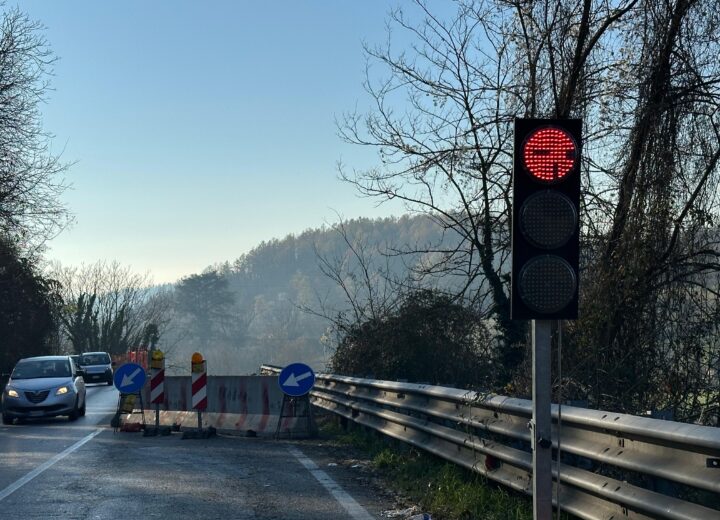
[45,465]
[355,510]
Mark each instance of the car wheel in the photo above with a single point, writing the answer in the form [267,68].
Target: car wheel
[82,410]
[7,419]
[73,416]
[110,381]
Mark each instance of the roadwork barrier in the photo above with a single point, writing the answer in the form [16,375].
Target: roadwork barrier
[235,404]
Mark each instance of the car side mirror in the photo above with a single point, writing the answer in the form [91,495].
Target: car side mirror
[113,364]
[80,372]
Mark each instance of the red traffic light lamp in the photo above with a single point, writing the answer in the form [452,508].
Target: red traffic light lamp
[549,153]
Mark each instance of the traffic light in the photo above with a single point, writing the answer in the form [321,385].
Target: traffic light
[545,221]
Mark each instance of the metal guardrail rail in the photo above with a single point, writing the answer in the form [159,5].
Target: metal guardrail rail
[613,466]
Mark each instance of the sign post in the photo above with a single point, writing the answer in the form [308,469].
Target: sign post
[129,380]
[198,372]
[199,385]
[541,425]
[157,383]
[295,381]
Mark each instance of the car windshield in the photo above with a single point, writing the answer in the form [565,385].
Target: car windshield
[95,359]
[41,368]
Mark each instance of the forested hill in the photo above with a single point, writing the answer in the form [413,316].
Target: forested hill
[266,305]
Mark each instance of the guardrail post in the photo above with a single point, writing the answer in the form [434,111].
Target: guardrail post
[541,421]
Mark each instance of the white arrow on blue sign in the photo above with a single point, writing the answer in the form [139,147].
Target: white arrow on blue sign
[129,378]
[296,379]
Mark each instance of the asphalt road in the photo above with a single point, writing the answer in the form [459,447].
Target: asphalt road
[55,469]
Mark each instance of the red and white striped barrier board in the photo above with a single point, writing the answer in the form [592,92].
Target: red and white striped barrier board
[199,389]
[157,386]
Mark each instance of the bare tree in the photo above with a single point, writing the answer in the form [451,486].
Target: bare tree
[30,185]
[442,126]
[363,275]
[659,250]
[30,174]
[644,78]
[118,293]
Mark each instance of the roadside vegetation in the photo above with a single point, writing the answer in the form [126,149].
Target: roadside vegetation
[444,490]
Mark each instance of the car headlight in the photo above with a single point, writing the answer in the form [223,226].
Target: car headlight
[62,390]
[12,393]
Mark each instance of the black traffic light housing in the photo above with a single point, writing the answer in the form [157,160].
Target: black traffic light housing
[546,219]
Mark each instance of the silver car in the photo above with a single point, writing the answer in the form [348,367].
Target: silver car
[44,386]
[97,367]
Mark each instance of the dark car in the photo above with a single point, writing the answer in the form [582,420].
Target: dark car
[45,386]
[97,367]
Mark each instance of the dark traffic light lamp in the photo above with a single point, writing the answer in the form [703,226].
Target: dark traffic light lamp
[546,224]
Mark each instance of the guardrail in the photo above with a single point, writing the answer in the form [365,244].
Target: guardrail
[613,466]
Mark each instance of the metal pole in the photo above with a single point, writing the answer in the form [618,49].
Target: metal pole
[157,416]
[541,421]
[199,420]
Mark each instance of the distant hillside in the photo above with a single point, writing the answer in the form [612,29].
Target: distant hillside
[270,285]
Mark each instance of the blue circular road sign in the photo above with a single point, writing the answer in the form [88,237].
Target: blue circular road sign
[296,379]
[129,378]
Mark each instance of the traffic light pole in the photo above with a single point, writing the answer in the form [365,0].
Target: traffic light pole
[545,263]
[541,420]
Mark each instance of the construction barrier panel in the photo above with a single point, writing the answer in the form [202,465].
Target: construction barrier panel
[235,404]
[157,377]
[199,385]
[157,385]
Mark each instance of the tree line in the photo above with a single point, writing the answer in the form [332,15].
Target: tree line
[31,180]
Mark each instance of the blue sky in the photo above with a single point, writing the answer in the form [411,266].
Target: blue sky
[199,129]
